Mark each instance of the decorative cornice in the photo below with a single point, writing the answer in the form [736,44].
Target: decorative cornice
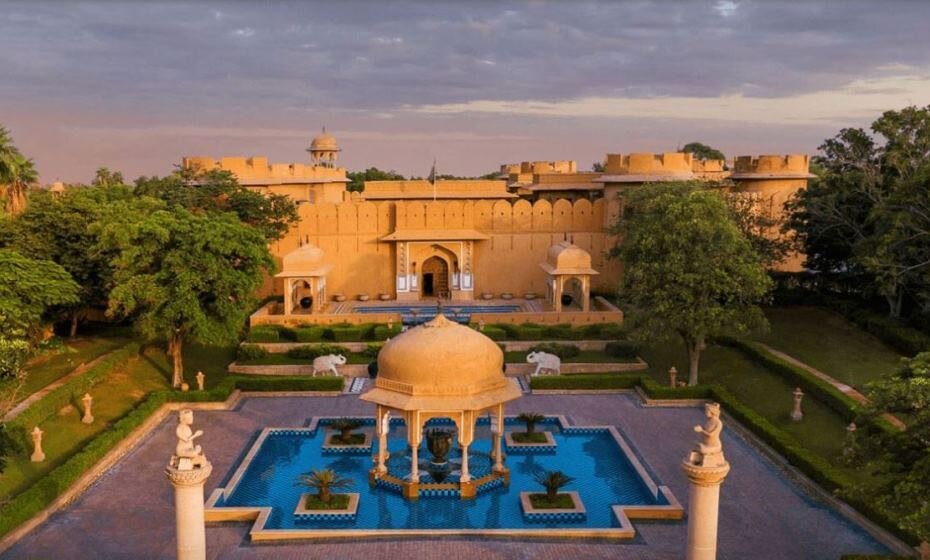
[189,477]
[705,476]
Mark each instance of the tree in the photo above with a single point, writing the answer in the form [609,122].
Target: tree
[702,151]
[183,277]
[552,481]
[357,178]
[531,419]
[106,178]
[17,173]
[688,269]
[900,458]
[64,230]
[28,287]
[759,226]
[598,167]
[324,481]
[217,192]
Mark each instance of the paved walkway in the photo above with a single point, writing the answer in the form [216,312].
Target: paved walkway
[846,389]
[40,394]
[129,513]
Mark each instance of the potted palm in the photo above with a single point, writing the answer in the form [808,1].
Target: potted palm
[344,427]
[552,500]
[324,481]
[530,435]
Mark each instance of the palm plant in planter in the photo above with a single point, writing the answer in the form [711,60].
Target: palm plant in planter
[553,481]
[345,426]
[530,435]
[324,481]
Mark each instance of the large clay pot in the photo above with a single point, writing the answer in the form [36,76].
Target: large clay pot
[306,302]
[439,443]
[567,299]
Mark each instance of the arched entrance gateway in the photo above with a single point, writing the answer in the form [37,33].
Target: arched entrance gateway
[435,280]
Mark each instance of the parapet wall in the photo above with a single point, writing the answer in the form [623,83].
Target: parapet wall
[791,164]
[259,168]
[669,163]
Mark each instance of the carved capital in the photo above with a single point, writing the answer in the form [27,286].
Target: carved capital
[192,477]
[705,476]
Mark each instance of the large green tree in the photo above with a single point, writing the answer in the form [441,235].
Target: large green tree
[702,151]
[28,287]
[183,277]
[218,192]
[357,178]
[900,458]
[17,173]
[64,229]
[866,214]
[687,267]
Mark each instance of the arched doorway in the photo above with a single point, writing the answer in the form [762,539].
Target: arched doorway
[435,278]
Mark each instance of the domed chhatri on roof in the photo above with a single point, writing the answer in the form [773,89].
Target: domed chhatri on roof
[441,364]
[306,260]
[567,258]
[324,142]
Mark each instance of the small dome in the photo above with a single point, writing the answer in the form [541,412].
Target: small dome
[57,187]
[307,257]
[568,256]
[324,143]
[441,358]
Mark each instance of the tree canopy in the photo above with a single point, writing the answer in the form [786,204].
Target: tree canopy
[17,173]
[183,277]
[702,151]
[357,178]
[28,287]
[688,269]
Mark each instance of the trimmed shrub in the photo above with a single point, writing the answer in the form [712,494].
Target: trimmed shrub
[530,332]
[250,352]
[308,334]
[347,334]
[563,351]
[562,331]
[382,332]
[372,349]
[494,332]
[264,334]
[622,349]
[592,330]
[304,352]
[611,330]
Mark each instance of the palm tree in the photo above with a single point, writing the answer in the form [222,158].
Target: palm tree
[324,481]
[345,427]
[18,173]
[552,480]
[531,419]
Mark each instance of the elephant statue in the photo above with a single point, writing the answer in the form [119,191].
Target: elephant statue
[328,363]
[545,362]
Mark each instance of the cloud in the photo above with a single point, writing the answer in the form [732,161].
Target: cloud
[244,32]
[726,8]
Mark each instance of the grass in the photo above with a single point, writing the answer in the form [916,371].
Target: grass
[285,360]
[354,439]
[523,437]
[585,356]
[823,431]
[562,501]
[830,343]
[336,501]
[65,434]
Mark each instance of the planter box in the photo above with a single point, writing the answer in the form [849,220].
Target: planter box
[577,513]
[515,446]
[347,514]
[354,448]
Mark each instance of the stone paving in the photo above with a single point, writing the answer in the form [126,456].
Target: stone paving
[129,512]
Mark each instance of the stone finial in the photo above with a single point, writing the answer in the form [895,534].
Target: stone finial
[709,450]
[87,401]
[37,454]
[200,378]
[796,414]
[187,455]
[672,377]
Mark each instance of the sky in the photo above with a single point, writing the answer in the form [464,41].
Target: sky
[136,86]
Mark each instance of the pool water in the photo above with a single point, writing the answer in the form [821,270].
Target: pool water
[603,477]
[424,313]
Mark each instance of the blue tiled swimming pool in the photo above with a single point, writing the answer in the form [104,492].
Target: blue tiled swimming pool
[416,314]
[604,477]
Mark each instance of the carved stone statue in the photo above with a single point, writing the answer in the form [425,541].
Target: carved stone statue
[709,450]
[186,453]
[323,364]
[386,423]
[545,362]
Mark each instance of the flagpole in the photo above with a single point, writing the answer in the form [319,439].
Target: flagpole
[435,175]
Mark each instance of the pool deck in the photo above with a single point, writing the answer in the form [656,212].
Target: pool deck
[128,512]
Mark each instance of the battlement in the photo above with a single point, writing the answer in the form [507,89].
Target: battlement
[791,165]
[257,170]
[669,163]
[420,189]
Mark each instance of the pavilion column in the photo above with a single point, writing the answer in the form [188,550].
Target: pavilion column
[557,294]
[497,432]
[413,425]
[465,476]
[288,296]
[384,426]
[586,294]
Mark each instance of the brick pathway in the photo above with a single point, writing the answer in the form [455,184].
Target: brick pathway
[129,513]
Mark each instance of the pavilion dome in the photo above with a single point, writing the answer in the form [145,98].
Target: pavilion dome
[568,256]
[324,143]
[305,259]
[442,358]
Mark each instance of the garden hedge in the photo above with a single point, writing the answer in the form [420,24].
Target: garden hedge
[584,382]
[37,497]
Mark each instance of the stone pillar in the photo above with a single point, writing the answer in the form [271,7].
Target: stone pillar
[706,469]
[465,476]
[672,377]
[796,414]
[87,401]
[384,426]
[37,454]
[200,379]
[586,294]
[497,432]
[187,471]
[288,299]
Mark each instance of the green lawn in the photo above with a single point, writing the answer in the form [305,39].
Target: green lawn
[585,356]
[822,430]
[830,343]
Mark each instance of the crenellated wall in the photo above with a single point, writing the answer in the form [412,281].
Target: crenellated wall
[791,164]
[519,236]
[669,163]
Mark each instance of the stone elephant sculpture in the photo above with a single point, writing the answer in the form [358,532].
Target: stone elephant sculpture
[545,362]
[328,363]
